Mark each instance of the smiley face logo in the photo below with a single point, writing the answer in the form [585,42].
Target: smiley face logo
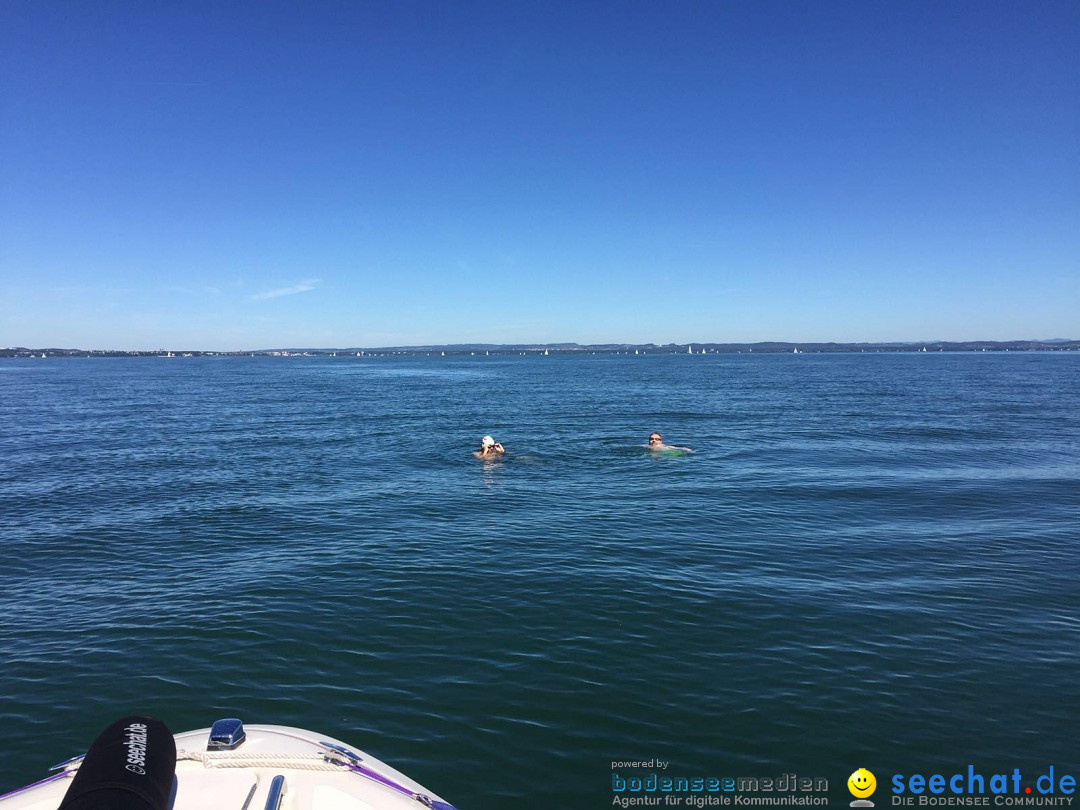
[861,783]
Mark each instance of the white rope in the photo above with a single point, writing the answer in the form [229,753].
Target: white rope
[302,762]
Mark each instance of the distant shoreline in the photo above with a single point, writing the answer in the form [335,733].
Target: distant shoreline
[765,347]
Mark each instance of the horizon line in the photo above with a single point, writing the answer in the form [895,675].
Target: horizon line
[568,346]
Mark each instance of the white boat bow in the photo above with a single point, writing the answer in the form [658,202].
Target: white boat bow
[136,764]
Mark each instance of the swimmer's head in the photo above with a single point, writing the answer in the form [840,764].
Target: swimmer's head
[487,441]
[655,438]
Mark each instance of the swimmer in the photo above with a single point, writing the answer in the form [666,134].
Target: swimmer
[656,442]
[489,448]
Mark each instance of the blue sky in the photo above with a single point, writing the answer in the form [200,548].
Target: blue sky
[251,175]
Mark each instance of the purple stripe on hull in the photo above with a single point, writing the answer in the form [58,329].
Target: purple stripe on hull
[390,783]
[44,781]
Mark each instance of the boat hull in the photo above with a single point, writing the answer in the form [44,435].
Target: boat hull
[316,773]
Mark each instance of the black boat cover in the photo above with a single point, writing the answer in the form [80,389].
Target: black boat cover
[130,766]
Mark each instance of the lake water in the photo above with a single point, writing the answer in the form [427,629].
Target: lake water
[870,560]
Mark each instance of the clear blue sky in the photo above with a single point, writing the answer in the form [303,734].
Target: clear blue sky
[228,175]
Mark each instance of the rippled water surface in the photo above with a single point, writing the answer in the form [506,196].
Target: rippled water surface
[870,560]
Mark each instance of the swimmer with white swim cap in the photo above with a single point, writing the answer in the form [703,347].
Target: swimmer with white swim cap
[489,448]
